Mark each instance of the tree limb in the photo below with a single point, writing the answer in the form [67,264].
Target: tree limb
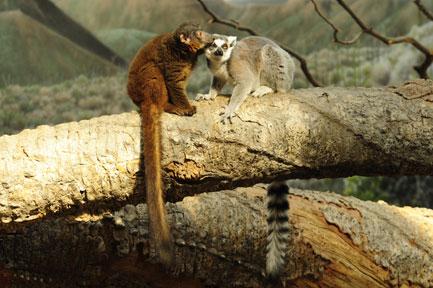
[428,53]
[220,242]
[309,133]
[334,27]
[236,25]
[230,23]
[423,9]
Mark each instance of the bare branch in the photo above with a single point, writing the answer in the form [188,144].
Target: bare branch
[230,23]
[428,53]
[335,28]
[234,24]
[423,9]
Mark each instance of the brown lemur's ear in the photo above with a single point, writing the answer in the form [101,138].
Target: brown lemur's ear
[188,26]
[184,39]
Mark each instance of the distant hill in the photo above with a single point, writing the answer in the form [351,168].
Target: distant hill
[125,26]
[293,22]
[149,15]
[32,53]
[124,42]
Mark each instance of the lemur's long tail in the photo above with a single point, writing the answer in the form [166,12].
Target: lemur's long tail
[278,228]
[160,231]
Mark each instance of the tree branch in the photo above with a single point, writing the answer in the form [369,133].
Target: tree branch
[423,9]
[309,133]
[230,23]
[428,53]
[220,242]
[236,25]
[335,28]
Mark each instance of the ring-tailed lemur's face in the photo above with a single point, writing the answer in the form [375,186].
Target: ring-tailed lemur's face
[221,48]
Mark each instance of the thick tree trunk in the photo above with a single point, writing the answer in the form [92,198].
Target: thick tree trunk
[220,241]
[322,132]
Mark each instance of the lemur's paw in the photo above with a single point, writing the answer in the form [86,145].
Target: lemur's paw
[262,91]
[201,96]
[191,111]
[226,116]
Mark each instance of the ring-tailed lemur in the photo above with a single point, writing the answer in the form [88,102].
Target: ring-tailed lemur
[278,228]
[254,65]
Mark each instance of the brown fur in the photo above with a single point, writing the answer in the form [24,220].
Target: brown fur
[157,82]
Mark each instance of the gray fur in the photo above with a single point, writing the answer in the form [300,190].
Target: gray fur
[254,66]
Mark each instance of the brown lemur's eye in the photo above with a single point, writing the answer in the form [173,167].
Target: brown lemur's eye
[225,46]
[213,45]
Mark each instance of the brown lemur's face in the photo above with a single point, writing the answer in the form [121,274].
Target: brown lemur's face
[196,40]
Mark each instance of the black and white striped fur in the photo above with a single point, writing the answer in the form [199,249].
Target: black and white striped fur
[278,228]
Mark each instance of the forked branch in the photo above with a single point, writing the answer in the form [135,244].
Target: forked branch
[334,27]
[421,69]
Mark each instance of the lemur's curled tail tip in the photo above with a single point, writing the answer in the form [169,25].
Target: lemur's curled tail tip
[278,228]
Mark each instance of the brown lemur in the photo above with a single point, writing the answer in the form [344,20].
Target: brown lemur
[157,82]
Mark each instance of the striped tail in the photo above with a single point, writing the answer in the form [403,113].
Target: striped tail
[278,228]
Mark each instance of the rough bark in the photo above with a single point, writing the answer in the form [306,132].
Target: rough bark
[220,241]
[321,132]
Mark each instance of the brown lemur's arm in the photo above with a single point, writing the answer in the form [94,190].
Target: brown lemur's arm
[176,81]
[188,41]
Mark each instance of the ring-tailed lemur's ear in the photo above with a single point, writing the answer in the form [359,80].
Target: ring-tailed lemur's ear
[232,40]
[184,39]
